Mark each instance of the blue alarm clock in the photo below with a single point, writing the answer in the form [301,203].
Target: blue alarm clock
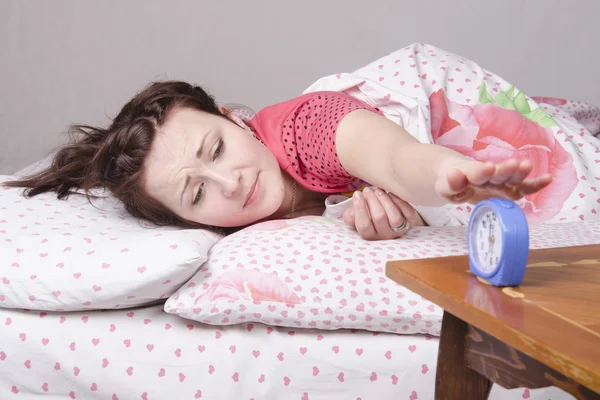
[498,242]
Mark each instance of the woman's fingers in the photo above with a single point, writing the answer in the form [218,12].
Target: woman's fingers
[475,181]
[522,172]
[394,213]
[381,212]
[378,214]
[504,171]
[408,211]
[374,213]
[533,185]
[362,218]
[348,217]
[471,174]
[456,182]
[395,217]
[479,173]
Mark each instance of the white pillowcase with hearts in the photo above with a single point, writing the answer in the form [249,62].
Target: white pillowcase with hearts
[315,272]
[71,255]
[312,272]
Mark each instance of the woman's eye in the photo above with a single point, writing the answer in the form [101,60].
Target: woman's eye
[198,196]
[219,149]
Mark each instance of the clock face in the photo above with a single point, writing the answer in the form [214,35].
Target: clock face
[486,239]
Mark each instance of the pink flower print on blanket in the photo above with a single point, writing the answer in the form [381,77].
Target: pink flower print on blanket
[242,284]
[553,101]
[504,128]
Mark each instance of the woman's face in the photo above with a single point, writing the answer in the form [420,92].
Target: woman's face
[212,171]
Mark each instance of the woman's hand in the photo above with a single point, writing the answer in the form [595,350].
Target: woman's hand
[375,213]
[473,181]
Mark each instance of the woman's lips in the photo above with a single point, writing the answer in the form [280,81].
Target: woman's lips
[252,192]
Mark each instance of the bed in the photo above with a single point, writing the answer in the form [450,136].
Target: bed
[97,305]
[144,353]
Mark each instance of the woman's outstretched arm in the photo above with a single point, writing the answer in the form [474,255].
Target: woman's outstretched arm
[380,152]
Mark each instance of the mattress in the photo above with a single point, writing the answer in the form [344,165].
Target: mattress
[146,354]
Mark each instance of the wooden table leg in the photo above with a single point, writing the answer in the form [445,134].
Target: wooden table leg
[454,379]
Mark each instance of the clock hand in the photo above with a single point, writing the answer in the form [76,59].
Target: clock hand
[492,242]
[490,236]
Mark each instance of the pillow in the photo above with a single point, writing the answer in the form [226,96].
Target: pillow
[67,255]
[315,272]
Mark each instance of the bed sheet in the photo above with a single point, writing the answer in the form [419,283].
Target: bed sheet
[147,354]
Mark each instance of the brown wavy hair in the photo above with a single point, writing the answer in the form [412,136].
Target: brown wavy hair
[113,158]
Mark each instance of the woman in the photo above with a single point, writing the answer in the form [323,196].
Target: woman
[172,156]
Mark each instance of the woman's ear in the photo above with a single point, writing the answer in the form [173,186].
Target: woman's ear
[227,112]
[239,121]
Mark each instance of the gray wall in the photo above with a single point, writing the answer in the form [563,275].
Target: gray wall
[78,61]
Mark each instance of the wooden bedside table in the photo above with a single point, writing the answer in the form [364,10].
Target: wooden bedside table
[545,332]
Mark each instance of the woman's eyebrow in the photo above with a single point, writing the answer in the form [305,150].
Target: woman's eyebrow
[198,155]
[201,148]
[185,185]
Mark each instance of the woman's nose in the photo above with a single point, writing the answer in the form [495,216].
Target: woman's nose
[230,183]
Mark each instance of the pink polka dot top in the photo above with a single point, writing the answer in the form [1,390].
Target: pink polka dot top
[301,134]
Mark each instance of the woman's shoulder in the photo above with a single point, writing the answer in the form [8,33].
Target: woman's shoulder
[306,99]
[307,106]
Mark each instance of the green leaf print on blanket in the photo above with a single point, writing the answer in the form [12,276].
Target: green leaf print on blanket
[518,103]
